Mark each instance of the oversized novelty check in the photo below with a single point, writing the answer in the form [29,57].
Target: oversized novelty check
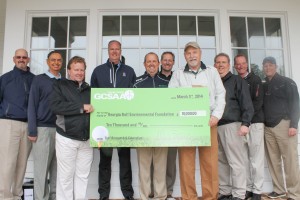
[150,117]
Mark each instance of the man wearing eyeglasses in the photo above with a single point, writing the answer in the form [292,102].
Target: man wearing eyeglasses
[41,128]
[14,144]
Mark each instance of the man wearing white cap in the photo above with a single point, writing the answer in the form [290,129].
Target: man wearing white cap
[197,74]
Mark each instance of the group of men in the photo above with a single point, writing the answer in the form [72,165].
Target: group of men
[248,120]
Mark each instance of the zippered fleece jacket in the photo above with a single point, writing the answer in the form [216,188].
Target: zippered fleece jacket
[39,112]
[207,76]
[14,94]
[107,76]
[66,101]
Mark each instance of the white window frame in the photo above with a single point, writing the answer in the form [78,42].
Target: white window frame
[284,28]
[192,12]
[61,13]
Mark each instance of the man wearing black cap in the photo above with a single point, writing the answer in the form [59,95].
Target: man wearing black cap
[281,107]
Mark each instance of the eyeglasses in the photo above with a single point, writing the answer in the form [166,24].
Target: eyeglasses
[23,57]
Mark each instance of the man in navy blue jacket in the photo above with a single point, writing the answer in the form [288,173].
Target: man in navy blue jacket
[41,128]
[114,74]
[14,144]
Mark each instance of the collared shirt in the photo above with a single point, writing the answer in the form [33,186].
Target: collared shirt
[164,76]
[52,75]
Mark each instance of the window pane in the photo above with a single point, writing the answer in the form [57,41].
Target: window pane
[238,32]
[132,59]
[111,25]
[59,32]
[77,37]
[207,41]
[104,55]
[206,32]
[183,40]
[130,42]
[39,35]
[130,25]
[182,61]
[168,41]
[38,63]
[81,53]
[187,25]
[149,41]
[149,25]
[208,56]
[168,25]
[273,33]
[257,57]
[256,33]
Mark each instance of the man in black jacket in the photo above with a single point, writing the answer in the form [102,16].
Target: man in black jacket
[281,107]
[114,74]
[255,138]
[149,155]
[70,101]
[232,129]
[14,144]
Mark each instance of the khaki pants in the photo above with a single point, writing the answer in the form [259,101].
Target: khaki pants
[232,165]
[157,155]
[208,157]
[44,158]
[14,151]
[280,147]
[171,169]
[255,158]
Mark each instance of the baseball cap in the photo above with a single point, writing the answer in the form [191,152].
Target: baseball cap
[192,44]
[269,59]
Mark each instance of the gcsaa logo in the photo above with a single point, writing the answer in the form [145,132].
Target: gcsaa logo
[126,95]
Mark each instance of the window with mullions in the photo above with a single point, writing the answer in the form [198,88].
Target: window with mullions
[65,34]
[257,37]
[140,34]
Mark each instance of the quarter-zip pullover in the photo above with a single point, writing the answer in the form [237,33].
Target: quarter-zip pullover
[120,76]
